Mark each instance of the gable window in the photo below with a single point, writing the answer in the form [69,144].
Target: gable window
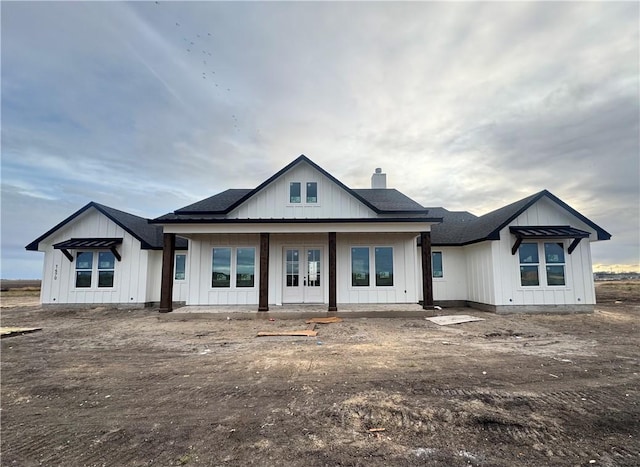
[295,195]
[100,264]
[240,272]
[361,261]
[181,266]
[312,192]
[554,259]
[436,265]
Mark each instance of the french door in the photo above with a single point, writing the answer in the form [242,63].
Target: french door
[303,271]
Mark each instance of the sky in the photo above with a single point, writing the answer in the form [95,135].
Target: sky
[150,106]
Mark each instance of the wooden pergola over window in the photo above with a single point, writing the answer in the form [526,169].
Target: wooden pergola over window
[552,232]
[89,244]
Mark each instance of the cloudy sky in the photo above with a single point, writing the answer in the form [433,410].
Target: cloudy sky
[150,106]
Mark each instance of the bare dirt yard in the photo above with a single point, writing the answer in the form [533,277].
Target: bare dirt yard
[121,387]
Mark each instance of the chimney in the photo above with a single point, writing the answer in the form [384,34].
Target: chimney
[378,179]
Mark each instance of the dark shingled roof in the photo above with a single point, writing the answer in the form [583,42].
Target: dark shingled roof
[381,201]
[464,228]
[390,200]
[216,204]
[149,235]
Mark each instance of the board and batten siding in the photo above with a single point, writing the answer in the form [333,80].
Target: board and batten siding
[453,285]
[579,288]
[130,274]
[404,289]
[480,274]
[199,270]
[273,200]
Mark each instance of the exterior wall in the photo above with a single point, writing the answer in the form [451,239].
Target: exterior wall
[579,288]
[130,276]
[199,272]
[273,200]
[480,272]
[404,289]
[453,285]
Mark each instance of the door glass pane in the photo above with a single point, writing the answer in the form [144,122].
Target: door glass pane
[360,266]
[246,265]
[292,268]
[221,267]
[384,266]
[313,268]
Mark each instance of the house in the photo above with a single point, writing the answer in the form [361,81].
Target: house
[302,236]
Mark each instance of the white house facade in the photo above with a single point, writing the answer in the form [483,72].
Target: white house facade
[304,237]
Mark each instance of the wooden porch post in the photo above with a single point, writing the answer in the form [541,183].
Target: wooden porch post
[332,273]
[166,290]
[263,299]
[427,282]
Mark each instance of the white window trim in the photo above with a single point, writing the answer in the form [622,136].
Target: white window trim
[372,269]
[94,273]
[234,268]
[303,193]
[542,267]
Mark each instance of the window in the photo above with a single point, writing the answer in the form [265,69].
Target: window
[384,266]
[312,192]
[529,263]
[245,267]
[360,267]
[554,264]
[84,268]
[181,266]
[436,264]
[105,269]
[221,267]
[295,195]
[554,257]
[242,269]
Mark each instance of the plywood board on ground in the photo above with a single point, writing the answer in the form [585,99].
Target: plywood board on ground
[303,332]
[453,319]
[6,331]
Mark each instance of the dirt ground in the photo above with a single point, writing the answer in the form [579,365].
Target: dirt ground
[121,387]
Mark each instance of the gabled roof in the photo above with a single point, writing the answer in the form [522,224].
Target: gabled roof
[464,231]
[381,201]
[150,236]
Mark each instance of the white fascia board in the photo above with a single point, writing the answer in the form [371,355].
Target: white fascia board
[369,227]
